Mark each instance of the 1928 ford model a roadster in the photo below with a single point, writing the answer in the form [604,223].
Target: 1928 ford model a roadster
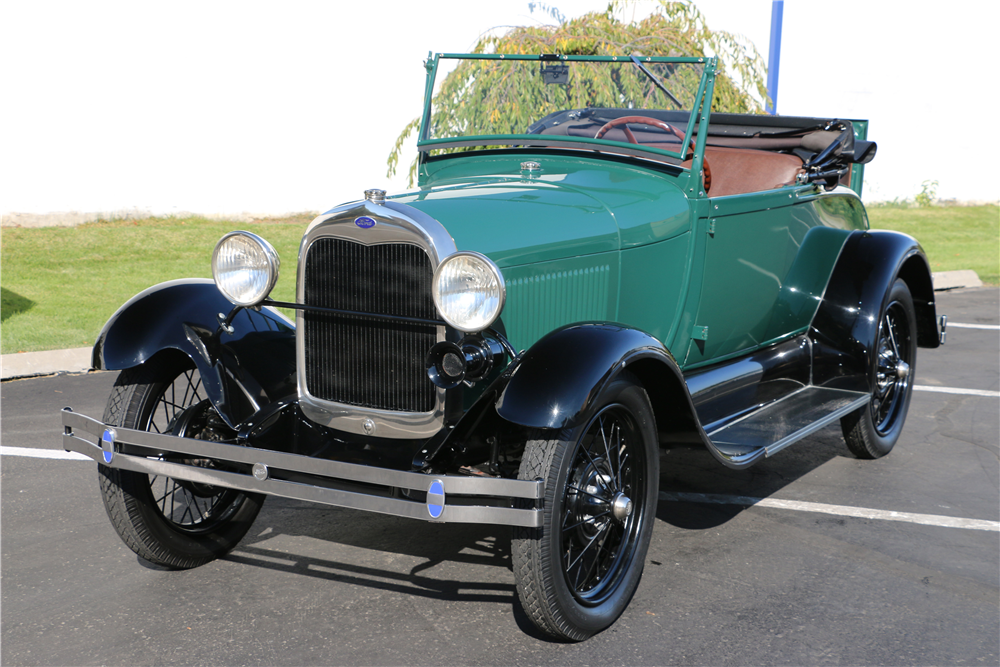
[515,340]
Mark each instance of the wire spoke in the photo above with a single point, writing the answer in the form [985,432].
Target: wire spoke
[587,454]
[890,326]
[202,511]
[597,557]
[589,544]
[181,504]
[608,548]
[621,472]
[588,493]
[589,520]
[618,456]
[576,580]
[170,491]
[887,402]
[187,512]
[876,409]
[604,438]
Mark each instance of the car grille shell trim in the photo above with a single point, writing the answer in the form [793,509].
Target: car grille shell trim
[382,392]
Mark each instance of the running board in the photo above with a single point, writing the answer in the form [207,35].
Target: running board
[775,426]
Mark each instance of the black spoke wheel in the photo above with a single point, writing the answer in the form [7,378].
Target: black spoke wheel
[173,523]
[577,573]
[872,431]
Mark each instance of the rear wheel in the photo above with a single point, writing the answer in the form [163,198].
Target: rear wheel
[577,573]
[872,431]
[173,523]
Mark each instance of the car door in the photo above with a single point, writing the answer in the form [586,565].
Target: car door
[766,260]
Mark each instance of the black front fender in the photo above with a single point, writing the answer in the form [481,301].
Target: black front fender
[555,384]
[559,377]
[240,372]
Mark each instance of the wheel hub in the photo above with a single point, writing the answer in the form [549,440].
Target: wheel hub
[193,422]
[621,507]
[889,367]
[591,503]
[892,372]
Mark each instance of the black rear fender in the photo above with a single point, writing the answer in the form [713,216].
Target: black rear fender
[845,328]
[241,372]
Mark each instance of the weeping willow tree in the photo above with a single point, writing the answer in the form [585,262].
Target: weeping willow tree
[491,97]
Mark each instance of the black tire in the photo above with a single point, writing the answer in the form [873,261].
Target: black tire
[576,575]
[872,431]
[175,524]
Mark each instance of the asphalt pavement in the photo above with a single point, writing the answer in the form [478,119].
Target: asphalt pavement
[794,580]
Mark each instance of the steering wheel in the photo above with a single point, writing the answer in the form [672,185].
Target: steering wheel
[646,120]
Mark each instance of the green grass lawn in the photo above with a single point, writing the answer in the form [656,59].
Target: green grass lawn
[954,237]
[60,284]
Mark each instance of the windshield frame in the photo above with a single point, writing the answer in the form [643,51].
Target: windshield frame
[698,115]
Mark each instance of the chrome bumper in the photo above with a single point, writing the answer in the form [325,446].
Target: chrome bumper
[104,444]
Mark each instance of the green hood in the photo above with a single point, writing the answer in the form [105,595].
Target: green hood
[566,211]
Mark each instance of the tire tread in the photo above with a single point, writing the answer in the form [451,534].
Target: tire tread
[858,429]
[535,583]
[537,579]
[120,489]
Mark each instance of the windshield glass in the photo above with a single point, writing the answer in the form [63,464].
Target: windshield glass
[560,100]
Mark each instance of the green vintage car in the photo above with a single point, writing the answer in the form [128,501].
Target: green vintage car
[593,266]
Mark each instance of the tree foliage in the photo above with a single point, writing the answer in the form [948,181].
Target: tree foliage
[488,96]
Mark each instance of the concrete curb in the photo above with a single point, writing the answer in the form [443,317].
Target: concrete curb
[947,280]
[77,360]
[29,364]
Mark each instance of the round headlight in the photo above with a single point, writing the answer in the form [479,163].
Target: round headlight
[469,291]
[245,268]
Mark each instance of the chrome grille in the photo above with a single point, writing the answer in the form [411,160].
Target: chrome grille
[360,360]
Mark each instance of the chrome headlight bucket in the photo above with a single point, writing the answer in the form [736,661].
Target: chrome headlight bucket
[245,268]
[469,291]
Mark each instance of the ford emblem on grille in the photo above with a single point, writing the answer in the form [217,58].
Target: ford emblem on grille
[364,222]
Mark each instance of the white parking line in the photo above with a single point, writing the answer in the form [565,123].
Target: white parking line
[43,453]
[839,510]
[798,505]
[957,390]
[989,327]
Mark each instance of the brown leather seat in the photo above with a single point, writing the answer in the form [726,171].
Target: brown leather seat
[740,170]
[736,171]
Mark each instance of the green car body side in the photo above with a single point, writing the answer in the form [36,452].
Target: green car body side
[611,239]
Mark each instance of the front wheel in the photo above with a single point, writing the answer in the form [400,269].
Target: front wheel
[872,431]
[173,523]
[576,574]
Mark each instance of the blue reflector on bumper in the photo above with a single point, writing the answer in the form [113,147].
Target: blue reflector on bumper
[108,444]
[435,499]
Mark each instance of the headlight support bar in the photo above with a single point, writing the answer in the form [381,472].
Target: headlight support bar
[354,313]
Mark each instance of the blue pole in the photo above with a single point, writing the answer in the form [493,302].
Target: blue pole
[774,55]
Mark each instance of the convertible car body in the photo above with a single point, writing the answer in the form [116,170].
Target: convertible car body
[593,266]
